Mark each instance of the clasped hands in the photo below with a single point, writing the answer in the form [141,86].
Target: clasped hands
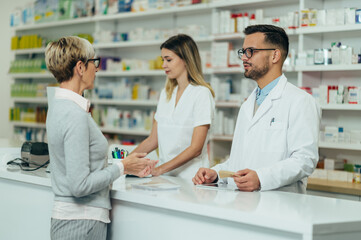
[246,180]
[137,164]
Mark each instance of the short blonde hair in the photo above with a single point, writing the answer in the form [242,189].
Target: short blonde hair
[61,56]
[185,48]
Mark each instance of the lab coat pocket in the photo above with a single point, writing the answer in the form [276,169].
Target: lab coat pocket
[274,139]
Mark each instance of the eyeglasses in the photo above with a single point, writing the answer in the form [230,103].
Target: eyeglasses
[249,51]
[96,61]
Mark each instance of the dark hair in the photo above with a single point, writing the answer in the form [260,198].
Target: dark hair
[273,35]
[185,48]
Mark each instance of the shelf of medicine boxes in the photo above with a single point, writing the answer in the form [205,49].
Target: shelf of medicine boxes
[343,146]
[204,7]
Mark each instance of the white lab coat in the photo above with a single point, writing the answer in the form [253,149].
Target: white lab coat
[176,125]
[280,141]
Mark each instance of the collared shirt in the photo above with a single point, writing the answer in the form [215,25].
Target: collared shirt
[72,211]
[261,94]
[63,93]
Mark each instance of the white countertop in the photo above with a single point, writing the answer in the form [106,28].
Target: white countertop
[290,212]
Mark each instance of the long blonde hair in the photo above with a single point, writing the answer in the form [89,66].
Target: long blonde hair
[185,48]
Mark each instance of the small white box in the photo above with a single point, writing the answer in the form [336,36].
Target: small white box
[332,164]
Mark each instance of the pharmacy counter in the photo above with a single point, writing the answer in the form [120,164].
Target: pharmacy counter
[186,213]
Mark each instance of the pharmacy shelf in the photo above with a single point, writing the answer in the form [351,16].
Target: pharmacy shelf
[61,23]
[249,3]
[133,132]
[228,104]
[228,36]
[343,146]
[350,107]
[119,102]
[45,75]
[140,43]
[29,51]
[321,68]
[231,70]
[28,124]
[222,137]
[328,29]
[37,100]
[131,73]
[196,8]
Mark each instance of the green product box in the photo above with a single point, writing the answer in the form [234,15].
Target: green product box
[65,9]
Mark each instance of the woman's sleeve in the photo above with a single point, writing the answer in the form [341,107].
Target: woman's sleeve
[80,179]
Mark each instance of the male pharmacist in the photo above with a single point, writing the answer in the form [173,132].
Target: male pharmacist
[275,140]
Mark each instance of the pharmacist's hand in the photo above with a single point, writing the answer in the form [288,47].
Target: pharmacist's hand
[137,164]
[156,172]
[205,175]
[148,170]
[247,180]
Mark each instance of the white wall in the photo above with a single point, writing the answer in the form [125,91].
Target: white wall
[5,58]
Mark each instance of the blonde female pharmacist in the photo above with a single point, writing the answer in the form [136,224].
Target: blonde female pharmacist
[80,176]
[184,113]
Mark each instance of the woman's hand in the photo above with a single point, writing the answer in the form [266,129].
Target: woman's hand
[156,172]
[136,164]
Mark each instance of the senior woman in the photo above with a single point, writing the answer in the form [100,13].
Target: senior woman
[78,150]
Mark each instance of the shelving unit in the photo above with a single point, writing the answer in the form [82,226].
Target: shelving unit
[341,146]
[301,39]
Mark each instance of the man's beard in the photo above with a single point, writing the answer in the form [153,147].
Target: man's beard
[256,73]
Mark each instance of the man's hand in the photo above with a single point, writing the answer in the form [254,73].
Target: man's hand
[204,175]
[247,180]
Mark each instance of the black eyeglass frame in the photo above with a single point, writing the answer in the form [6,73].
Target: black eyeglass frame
[96,61]
[242,51]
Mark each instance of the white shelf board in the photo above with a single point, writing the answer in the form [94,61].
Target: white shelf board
[344,146]
[222,137]
[155,12]
[335,67]
[125,131]
[325,29]
[141,43]
[127,44]
[28,124]
[28,51]
[119,102]
[130,73]
[45,75]
[231,70]
[228,36]
[228,104]
[40,100]
[238,3]
[352,107]
[59,23]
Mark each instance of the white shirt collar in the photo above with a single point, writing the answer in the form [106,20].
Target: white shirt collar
[62,93]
